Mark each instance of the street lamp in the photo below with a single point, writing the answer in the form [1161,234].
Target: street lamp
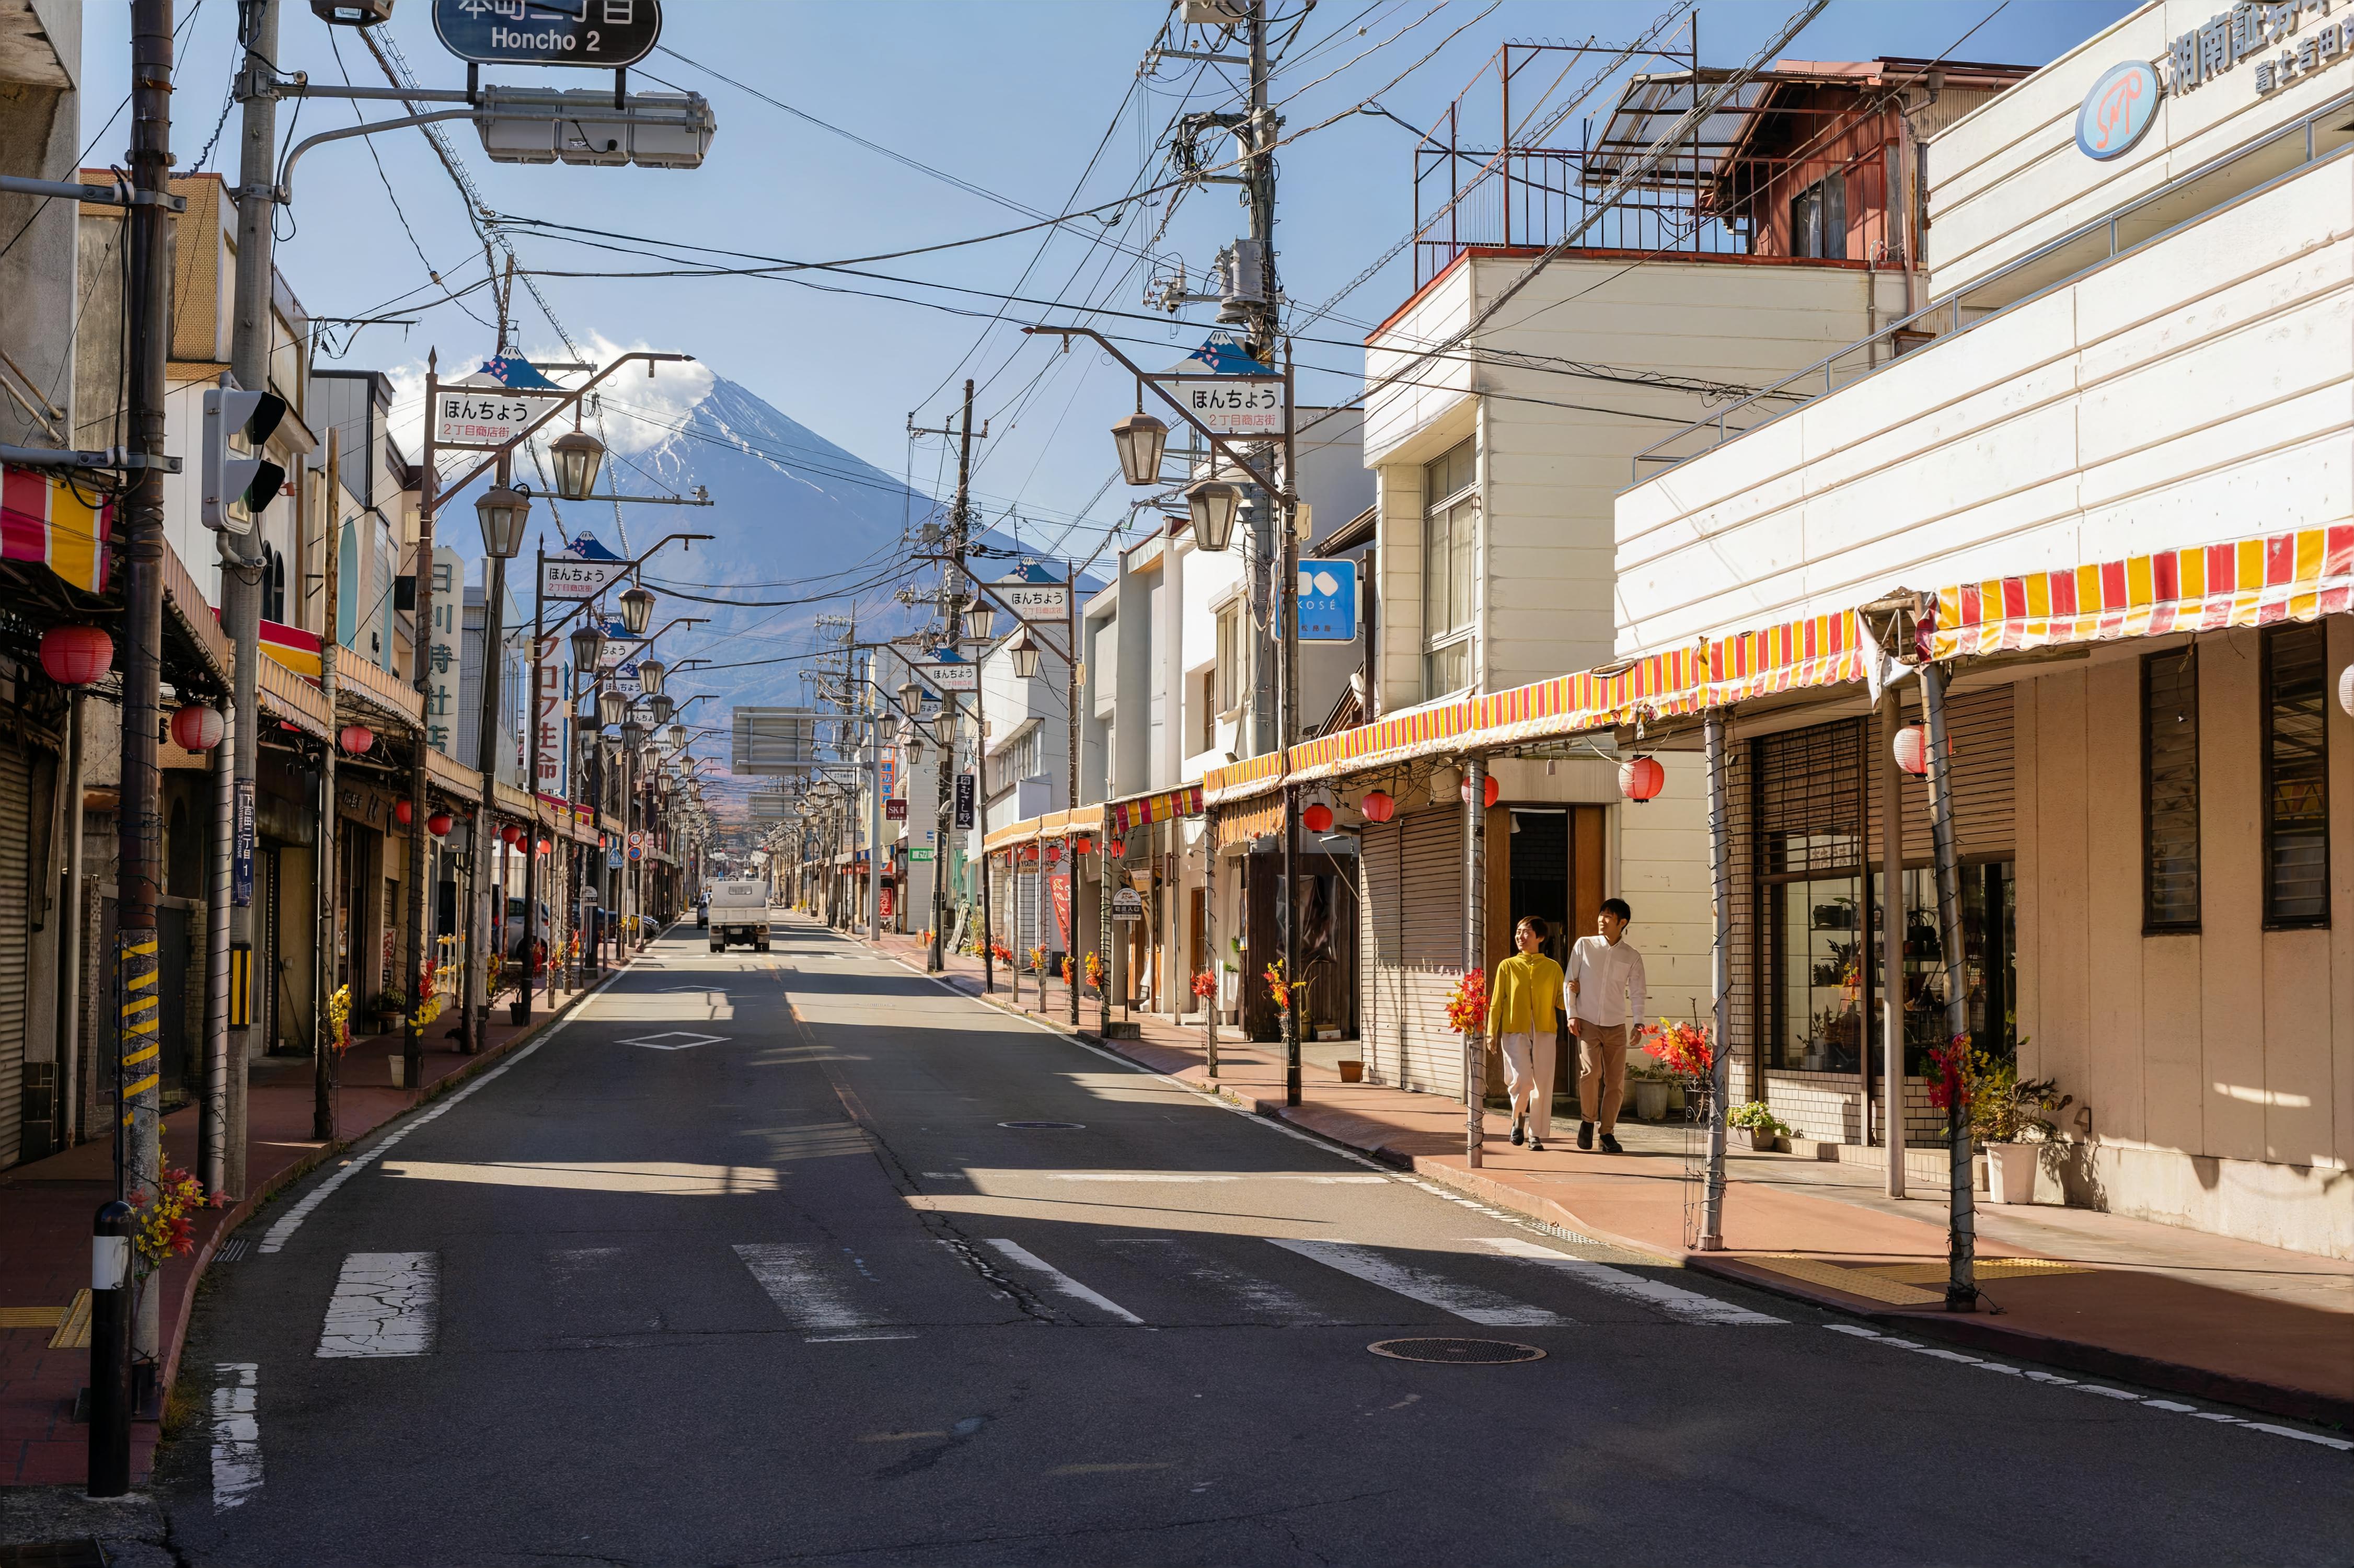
[676,734]
[978,621]
[633,734]
[1212,504]
[1025,658]
[637,609]
[650,675]
[587,647]
[663,708]
[502,510]
[911,695]
[612,707]
[577,456]
[1141,439]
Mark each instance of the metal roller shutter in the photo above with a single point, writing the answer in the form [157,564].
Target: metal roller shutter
[1414,948]
[15,922]
[1978,729]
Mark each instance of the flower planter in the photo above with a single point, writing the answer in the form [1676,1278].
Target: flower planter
[1352,1072]
[1650,1099]
[1765,1139]
[2010,1172]
[399,1065]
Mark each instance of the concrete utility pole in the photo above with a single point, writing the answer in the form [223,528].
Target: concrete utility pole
[952,602]
[139,833]
[324,1048]
[249,365]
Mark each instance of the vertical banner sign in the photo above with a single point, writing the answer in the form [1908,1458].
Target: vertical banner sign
[1058,891]
[1328,601]
[551,745]
[240,863]
[441,651]
[964,800]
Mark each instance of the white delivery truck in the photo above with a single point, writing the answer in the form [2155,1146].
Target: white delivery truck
[739,912]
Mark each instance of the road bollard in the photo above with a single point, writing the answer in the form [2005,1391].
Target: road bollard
[110,1350]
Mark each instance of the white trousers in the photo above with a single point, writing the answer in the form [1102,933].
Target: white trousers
[1528,1075]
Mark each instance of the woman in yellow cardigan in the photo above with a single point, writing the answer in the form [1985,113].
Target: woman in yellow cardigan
[1520,1001]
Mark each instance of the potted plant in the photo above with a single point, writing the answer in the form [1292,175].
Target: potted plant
[384,1012]
[1764,1129]
[1650,1086]
[2009,1115]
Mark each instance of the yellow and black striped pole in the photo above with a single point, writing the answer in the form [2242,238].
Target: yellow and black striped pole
[138,1075]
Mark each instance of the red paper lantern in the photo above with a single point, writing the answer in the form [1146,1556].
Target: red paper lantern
[1316,818]
[76,655]
[545,846]
[197,727]
[1377,806]
[1912,748]
[437,824]
[512,833]
[1492,791]
[403,813]
[1083,845]
[359,739]
[1640,779]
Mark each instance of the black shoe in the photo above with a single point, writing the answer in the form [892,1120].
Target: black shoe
[1518,1134]
[1585,1135]
[1610,1145]
[1536,1144]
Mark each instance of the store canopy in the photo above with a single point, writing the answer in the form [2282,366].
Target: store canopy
[1158,807]
[1053,825]
[2245,582]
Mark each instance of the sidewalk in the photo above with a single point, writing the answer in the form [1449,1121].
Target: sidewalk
[44,1218]
[2163,1306]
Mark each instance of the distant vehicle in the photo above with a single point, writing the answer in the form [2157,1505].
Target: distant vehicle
[511,927]
[739,912]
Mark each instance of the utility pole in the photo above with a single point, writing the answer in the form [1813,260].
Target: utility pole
[325,1047]
[139,833]
[249,365]
[952,602]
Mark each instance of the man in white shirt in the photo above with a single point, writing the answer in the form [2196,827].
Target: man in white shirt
[1607,992]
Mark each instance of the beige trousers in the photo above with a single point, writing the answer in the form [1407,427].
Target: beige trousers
[1601,1071]
[1528,1075]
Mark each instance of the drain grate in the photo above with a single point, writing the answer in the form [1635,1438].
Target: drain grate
[1458,1352]
[1044,1123]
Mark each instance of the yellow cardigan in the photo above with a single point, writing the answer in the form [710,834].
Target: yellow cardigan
[1521,995]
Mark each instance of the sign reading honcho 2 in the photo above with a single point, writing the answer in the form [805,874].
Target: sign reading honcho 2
[595,33]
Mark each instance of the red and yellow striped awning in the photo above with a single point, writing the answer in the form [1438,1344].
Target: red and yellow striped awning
[1158,807]
[44,519]
[2296,576]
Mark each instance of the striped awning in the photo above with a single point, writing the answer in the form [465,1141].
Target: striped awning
[43,518]
[2246,582]
[1249,819]
[1159,807]
[1052,825]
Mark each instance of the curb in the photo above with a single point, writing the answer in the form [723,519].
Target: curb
[254,1201]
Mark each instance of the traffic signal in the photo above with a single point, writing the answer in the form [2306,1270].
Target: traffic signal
[234,480]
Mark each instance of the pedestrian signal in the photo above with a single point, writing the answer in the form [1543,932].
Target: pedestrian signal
[238,486]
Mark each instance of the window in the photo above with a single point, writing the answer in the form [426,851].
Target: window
[1232,677]
[2296,779]
[2169,791]
[1450,552]
[1819,219]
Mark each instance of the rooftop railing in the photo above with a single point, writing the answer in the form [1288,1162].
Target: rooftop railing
[2223,181]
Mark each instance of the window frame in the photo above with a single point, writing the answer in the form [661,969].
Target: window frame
[2151,924]
[1458,511]
[2267,709]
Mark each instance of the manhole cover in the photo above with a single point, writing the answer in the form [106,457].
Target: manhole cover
[1456,1352]
[1043,1124]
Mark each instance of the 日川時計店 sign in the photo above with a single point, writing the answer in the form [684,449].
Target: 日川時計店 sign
[472,417]
[1232,405]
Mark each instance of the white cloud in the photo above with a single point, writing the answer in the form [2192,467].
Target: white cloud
[638,414]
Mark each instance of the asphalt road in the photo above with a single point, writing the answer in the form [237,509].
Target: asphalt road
[768,1259]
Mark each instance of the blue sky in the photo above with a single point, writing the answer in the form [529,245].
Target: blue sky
[1017,100]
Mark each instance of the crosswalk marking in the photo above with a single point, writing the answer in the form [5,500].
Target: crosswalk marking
[1023,1257]
[1253,1295]
[1688,1305]
[1468,1302]
[789,1272]
[385,1305]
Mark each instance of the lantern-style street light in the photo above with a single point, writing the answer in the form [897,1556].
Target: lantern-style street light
[650,676]
[578,457]
[633,734]
[503,510]
[1141,439]
[587,647]
[663,708]
[612,707]
[1212,504]
[637,609]
[1025,658]
[980,621]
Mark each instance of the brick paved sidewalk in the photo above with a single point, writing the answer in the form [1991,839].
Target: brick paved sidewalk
[45,1209]
[2161,1305]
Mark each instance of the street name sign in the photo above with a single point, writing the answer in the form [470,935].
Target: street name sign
[1035,602]
[476,416]
[1233,405]
[951,675]
[600,33]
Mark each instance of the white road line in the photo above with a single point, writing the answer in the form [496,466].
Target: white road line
[1025,1258]
[1259,1296]
[291,1220]
[1190,1177]
[236,1435]
[1468,1302]
[385,1304]
[1690,1306]
[789,1272]
[2172,1406]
